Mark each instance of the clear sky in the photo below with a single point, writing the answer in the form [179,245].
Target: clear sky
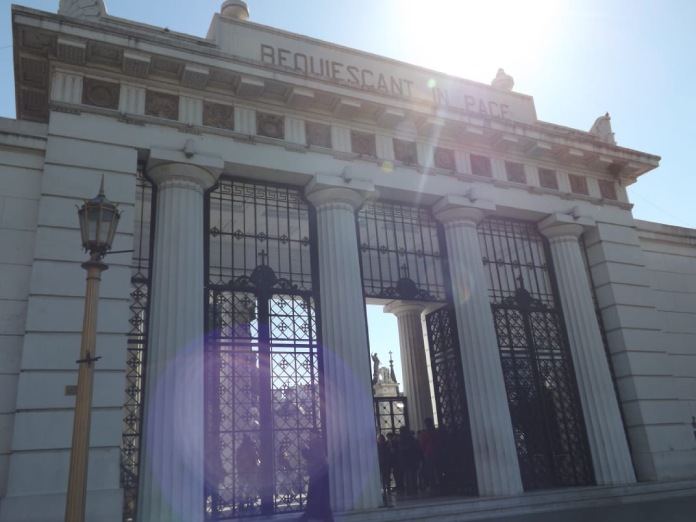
[635,59]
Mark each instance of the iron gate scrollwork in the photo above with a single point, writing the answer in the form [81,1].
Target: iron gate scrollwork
[137,343]
[457,466]
[263,358]
[400,252]
[547,420]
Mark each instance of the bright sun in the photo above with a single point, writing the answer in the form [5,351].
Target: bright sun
[473,39]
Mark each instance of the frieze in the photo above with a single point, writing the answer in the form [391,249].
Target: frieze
[548,179]
[100,93]
[444,159]
[318,134]
[607,189]
[218,115]
[162,105]
[578,185]
[405,151]
[363,143]
[270,125]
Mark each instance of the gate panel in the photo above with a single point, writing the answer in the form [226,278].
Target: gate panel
[542,394]
[450,398]
[263,359]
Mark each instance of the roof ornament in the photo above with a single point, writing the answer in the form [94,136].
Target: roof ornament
[235,9]
[82,8]
[503,81]
[602,129]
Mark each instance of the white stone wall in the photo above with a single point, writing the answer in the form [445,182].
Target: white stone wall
[632,297]
[22,147]
[53,297]
[670,254]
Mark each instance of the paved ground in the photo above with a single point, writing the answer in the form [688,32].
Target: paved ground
[672,510]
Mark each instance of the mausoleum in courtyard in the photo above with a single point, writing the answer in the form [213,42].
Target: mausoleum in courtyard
[270,187]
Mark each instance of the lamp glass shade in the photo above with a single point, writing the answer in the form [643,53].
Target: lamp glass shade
[98,221]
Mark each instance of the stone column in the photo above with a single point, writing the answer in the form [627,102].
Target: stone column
[497,467]
[610,454]
[171,462]
[415,368]
[350,419]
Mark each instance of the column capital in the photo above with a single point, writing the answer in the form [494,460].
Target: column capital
[462,208]
[564,225]
[400,307]
[325,189]
[185,165]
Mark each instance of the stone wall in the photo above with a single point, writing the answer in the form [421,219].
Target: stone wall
[22,147]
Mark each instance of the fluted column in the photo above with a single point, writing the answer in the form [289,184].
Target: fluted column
[497,467]
[610,454]
[350,421]
[171,465]
[413,363]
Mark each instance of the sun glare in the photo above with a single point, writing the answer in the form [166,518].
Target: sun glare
[474,39]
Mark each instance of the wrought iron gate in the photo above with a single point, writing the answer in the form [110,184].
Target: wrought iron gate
[391,413]
[263,358]
[542,394]
[455,443]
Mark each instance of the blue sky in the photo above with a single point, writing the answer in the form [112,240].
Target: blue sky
[635,59]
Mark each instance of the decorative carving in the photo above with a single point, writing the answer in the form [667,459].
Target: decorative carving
[406,152]
[481,166]
[363,143]
[104,53]
[82,8]
[270,125]
[503,81]
[37,41]
[607,189]
[218,115]
[166,67]
[601,129]
[34,73]
[100,93]
[548,179]
[515,172]
[34,105]
[578,185]
[162,105]
[318,134]
[444,159]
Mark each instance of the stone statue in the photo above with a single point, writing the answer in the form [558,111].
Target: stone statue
[82,8]
[503,81]
[385,375]
[375,368]
[602,129]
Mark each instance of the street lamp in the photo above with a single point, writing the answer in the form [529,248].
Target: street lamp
[98,220]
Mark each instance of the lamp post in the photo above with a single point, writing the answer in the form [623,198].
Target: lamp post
[98,220]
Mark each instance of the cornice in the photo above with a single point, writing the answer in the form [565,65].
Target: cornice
[149,56]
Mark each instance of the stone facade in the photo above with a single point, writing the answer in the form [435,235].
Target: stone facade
[344,127]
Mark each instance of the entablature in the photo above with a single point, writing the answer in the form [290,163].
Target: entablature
[147,59]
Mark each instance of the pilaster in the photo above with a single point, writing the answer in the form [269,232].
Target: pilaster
[497,467]
[350,427]
[610,455]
